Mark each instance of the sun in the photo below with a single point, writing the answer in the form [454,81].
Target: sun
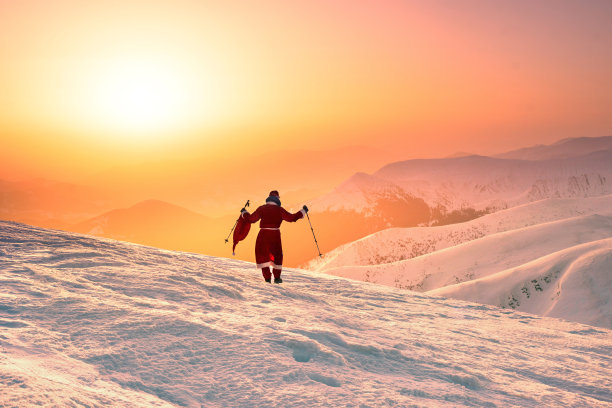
[140,96]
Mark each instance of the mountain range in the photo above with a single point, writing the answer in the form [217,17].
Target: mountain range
[401,194]
[473,182]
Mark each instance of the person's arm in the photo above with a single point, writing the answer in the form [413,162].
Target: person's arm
[256,216]
[287,216]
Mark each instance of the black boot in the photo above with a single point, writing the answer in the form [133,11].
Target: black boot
[278,280]
[269,280]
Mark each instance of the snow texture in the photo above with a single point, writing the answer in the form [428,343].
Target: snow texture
[573,284]
[514,258]
[397,244]
[99,323]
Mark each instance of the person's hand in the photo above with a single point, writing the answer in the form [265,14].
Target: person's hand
[305,208]
[243,210]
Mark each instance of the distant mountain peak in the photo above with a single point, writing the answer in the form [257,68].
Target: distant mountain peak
[562,149]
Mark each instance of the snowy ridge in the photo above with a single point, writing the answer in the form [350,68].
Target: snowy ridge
[397,244]
[95,322]
[360,192]
[478,182]
[573,284]
[486,256]
[562,149]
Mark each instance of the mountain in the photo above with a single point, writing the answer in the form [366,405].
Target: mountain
[572,284]
[217,184]
[483,256]
[562,149]
[481,183]
[51,203]
[448,191]
[459,188]
[93,322]
[397,244]
[150,222]
[494,253]
[169,226]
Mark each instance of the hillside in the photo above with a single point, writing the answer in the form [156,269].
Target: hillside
[574,284]
[50,203]
[150,222]
[95,322]
[494,253]
[397,244]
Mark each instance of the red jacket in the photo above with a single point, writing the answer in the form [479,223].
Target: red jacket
[272,215]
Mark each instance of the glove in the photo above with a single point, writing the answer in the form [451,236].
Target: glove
[305,208]
[243,210]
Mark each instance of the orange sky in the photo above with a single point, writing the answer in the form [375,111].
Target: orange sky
[89,85]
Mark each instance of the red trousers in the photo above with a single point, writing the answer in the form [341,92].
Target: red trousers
[269,249]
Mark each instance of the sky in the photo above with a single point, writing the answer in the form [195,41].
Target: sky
[87,85]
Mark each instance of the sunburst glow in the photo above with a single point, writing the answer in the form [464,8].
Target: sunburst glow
[137,96]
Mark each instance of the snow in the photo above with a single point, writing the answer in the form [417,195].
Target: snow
[478,182]
[481,257]
[93,322]
[495,253]
[573,284]
[396,244]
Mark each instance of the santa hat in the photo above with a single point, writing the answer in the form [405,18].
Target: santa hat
[274,198]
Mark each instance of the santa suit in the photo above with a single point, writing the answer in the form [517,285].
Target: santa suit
[268,247]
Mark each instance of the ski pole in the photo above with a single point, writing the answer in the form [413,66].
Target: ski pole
[236,223]
[313,235]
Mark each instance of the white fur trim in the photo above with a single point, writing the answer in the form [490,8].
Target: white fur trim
[303,213]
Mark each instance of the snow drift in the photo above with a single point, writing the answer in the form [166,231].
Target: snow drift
[94,322]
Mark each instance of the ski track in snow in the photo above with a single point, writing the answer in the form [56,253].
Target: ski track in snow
[99,323]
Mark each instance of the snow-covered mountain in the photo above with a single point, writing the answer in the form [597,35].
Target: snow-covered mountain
[475,182]
[488,259]
[574,284]
[95,322]
[397,244]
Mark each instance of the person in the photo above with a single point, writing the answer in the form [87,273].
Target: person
[268,246]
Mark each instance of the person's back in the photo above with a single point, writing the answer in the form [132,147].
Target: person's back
[268,247]
[271,215]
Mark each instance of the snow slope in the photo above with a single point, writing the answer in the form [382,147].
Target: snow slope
[397,244]
[485,256]
[93,322]
[574,284]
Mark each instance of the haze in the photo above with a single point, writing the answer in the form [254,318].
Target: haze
[91,86]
